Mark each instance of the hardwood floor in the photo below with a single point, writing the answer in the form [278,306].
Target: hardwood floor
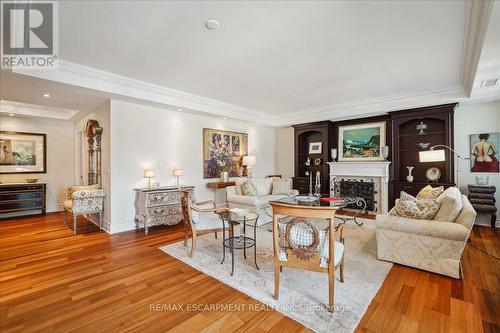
[53,281]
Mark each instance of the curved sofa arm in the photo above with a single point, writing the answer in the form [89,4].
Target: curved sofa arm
[83,194]
[294,192]
[231,190]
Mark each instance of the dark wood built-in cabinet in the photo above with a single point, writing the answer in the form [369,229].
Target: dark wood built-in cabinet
[323,132]
[21,197]
[405,150]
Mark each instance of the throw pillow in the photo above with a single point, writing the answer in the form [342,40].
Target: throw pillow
[451,205]
[282,186]
[420,209]
[239,184]
[248,188]
[430,193]
[406,197]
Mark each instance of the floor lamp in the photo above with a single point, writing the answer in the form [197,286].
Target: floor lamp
[432,155]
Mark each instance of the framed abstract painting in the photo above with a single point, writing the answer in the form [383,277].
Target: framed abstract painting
[484,150]
[361,142]
[223,151]
[22,152]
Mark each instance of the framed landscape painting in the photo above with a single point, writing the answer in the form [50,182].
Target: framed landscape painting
[361,142]
[484,151]
[22,152]
[223,151]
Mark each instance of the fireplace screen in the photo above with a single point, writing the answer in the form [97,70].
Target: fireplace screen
[356,188]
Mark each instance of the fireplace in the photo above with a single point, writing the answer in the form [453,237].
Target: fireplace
[369,179]
[357,188]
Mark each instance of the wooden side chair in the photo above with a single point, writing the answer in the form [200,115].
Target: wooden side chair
[299,244]
[198,220]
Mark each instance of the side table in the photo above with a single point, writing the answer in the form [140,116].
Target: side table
[242,241]
[483,200]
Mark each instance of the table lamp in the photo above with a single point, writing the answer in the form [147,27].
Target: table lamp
[432,155]
[178,173]
[249,161]
[149,174]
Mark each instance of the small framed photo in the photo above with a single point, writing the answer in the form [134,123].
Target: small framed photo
[315,147]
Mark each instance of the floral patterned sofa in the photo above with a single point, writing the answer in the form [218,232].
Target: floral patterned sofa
[431,245]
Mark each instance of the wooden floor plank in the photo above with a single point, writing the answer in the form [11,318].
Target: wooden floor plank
[53,281]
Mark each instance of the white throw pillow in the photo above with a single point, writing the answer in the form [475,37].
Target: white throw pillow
[263,186]
[282,186]
[451,205]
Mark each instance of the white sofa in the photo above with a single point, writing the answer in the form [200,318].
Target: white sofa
[431,245]
[258,204]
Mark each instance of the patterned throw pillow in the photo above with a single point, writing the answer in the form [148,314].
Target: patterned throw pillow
[406,197]
[249,189]
[430,193]
[418,209]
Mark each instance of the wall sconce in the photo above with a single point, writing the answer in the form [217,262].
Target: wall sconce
[148,174]
[178,173]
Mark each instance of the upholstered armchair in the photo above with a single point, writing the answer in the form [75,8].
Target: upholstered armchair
[83,200]
[200,218]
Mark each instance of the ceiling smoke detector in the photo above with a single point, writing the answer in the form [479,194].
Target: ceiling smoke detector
[489,83]
[212,24]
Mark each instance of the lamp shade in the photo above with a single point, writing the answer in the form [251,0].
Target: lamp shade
[431,156]
[149,173]
[177,172]
[249,160]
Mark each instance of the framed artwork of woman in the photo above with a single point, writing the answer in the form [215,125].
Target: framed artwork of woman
[484,148]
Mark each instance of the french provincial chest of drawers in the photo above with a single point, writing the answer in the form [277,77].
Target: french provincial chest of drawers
[159,206]
[22,197]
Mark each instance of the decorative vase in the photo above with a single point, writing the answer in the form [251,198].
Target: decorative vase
[224,176]
[409,178]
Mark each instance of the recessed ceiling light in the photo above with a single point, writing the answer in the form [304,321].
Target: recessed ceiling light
[46,95]
[11,114]
[225,118]
[212,24]
[179,109]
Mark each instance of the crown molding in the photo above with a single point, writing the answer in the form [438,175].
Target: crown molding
[476,25]
[117,85]
[373,107]
[36,111]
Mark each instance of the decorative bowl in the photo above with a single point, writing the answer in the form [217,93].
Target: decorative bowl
[31,180]
[423,145]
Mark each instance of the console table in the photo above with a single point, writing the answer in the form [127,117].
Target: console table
[19,197]
[159,206]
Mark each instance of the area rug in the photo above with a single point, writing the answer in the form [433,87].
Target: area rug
[303,295]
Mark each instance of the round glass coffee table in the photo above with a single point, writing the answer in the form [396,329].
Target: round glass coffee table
[241,241]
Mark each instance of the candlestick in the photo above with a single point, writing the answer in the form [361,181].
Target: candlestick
[310,184]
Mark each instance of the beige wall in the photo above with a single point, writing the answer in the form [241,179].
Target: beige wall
[285,151]
[60,152]
[475,119]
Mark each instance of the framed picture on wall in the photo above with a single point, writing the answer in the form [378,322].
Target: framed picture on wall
[223,151]
[315,147]
[484,150]
[361,142]
[22,152]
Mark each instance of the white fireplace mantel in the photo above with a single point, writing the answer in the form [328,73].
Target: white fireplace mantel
[371,169]
[361,169]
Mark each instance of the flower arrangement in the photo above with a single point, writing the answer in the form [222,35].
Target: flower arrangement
[220,152]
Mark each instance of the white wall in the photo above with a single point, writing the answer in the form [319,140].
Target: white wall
[144,137]
[475,119]
[60,152]
[285,151]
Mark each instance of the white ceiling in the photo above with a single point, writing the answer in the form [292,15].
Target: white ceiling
[274,62]
[275,57]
